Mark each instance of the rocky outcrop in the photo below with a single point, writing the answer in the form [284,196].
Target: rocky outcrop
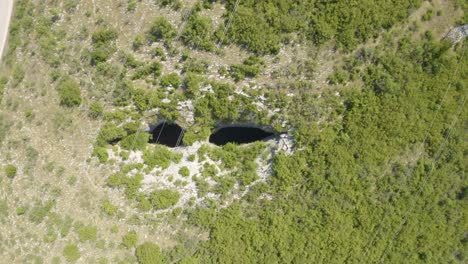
[457,34]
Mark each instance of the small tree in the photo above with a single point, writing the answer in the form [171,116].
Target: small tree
[162,30]
[163,199]
[69,93]
[10,171]
[171,79]
[95,110]
[130,239]
[71,252]
[149,253]
[184,171]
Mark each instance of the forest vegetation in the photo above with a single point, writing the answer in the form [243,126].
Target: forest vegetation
[369,93]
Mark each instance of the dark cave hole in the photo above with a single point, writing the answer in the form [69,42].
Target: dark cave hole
[168,134]
[239,135]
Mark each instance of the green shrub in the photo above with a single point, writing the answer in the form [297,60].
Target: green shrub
[196,66]
[161,29]
[144,203]
[110,134]
[163,199]
[21,210]
[71,252]
[158,52]
[160,156]
[109,208]
[101,154]
[96,110]
[171,79]
[137,141]
[138,42]
[10,171]
[149,253]
[69,93]
[102,46]
[249,68]
[198,33]
[132,5]
[184,171]
[130,239]
[103,36]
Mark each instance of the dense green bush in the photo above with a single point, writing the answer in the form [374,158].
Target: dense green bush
[110,134]
[102,45]
[161,29]
[69,93]
[198,33]
[261,26]
[96,110]
[109,208]
[10,171]
[171,79]
[149,253]
[71,252]
[163,199]
[184,171]
[103,36]
[131,184]
[130,239]
[250,68]
[101,154]
[160,156]
[137,141]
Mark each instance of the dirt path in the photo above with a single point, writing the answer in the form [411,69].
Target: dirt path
[6,7]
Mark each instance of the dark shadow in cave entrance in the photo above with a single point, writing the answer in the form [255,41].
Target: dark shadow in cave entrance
[168,134]
[239,135]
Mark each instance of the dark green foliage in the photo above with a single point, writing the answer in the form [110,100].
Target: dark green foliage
[153,69]
[163,199]
[184,171]
[160,156]
[103,36]
[109,208]
[10,171]
[122,93]
[71,252]
[192,84]
[131,184]
[101,154]
[250,68]
[261,26]
[217,106]
[130,239]
[102,45]
[198,33]
[149,253]
[162,30]
[359,182]
[110,134]
[137,141]
[69,93]
[171,79]
[96,110]
[196,66]
[138,42]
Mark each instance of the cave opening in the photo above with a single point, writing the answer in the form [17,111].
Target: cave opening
[168,134]
[239,135]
